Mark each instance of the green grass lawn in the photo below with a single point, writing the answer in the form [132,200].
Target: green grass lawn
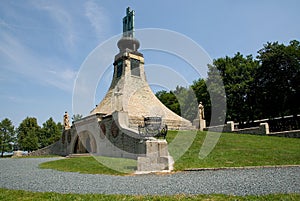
[93,165]
[232,150]
[13,195]
[240,150]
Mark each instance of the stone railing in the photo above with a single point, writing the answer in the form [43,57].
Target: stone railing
[262,129]
[229,127]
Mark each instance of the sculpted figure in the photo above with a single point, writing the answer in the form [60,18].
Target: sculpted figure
[201,111]
[66,121]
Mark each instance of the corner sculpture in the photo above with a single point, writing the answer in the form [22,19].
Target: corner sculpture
[66,121]
[201,111]
[129,119]
[202,122]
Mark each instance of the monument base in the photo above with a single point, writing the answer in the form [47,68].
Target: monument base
[202,125]
[157,158]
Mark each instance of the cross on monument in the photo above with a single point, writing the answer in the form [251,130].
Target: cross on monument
[118,103]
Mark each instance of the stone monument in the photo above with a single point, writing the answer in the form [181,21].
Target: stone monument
[129,90]
[111,128]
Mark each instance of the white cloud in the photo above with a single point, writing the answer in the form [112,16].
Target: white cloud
[20,59]
[97,17]
[43,40]
[62,20]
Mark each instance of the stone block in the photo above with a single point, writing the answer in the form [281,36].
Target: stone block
[229,127]
[143,163]
[157,157]
[264,128]
[163,148]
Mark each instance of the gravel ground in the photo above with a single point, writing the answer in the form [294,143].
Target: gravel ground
[24,174]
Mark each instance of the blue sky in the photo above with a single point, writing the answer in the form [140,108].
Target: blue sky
[44,43]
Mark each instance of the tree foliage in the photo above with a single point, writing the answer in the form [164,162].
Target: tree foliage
[265,87]
[184,101]
[169,99]
[7,135]
[31,136]
[278,79]
[50,132]
[238,75]
[28,134]
[187,101]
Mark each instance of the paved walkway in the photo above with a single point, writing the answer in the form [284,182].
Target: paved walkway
[25,174]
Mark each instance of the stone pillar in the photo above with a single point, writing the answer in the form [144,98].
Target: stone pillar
[264,128]
[157,157]
[229,126]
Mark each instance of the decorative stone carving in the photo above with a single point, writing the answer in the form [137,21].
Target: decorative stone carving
[103,130]
[114,129]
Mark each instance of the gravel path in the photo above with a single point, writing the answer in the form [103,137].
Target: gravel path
[24,174]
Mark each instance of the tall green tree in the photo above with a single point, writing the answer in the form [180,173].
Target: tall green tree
[169,100]
[188,103]
[50,132]
[7,135]
[217,96]
[28,134]
[238,75]
[278,79]
[245,89]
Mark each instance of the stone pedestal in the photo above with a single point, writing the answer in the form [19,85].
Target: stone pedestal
[202,124]
[157,157]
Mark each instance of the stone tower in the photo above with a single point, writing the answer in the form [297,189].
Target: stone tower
[129,90]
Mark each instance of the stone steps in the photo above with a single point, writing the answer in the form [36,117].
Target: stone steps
[79,155]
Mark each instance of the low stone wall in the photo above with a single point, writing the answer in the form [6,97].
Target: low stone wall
[53,149]
[262,129]
[227,128]
[290,134]
[61,147]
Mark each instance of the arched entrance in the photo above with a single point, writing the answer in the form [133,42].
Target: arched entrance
[85,143]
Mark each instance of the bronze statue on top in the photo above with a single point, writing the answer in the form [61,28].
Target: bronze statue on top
[128,23]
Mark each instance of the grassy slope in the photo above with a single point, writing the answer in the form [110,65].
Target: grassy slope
[232,150]
[92,165]
[13,195]
[239,150]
